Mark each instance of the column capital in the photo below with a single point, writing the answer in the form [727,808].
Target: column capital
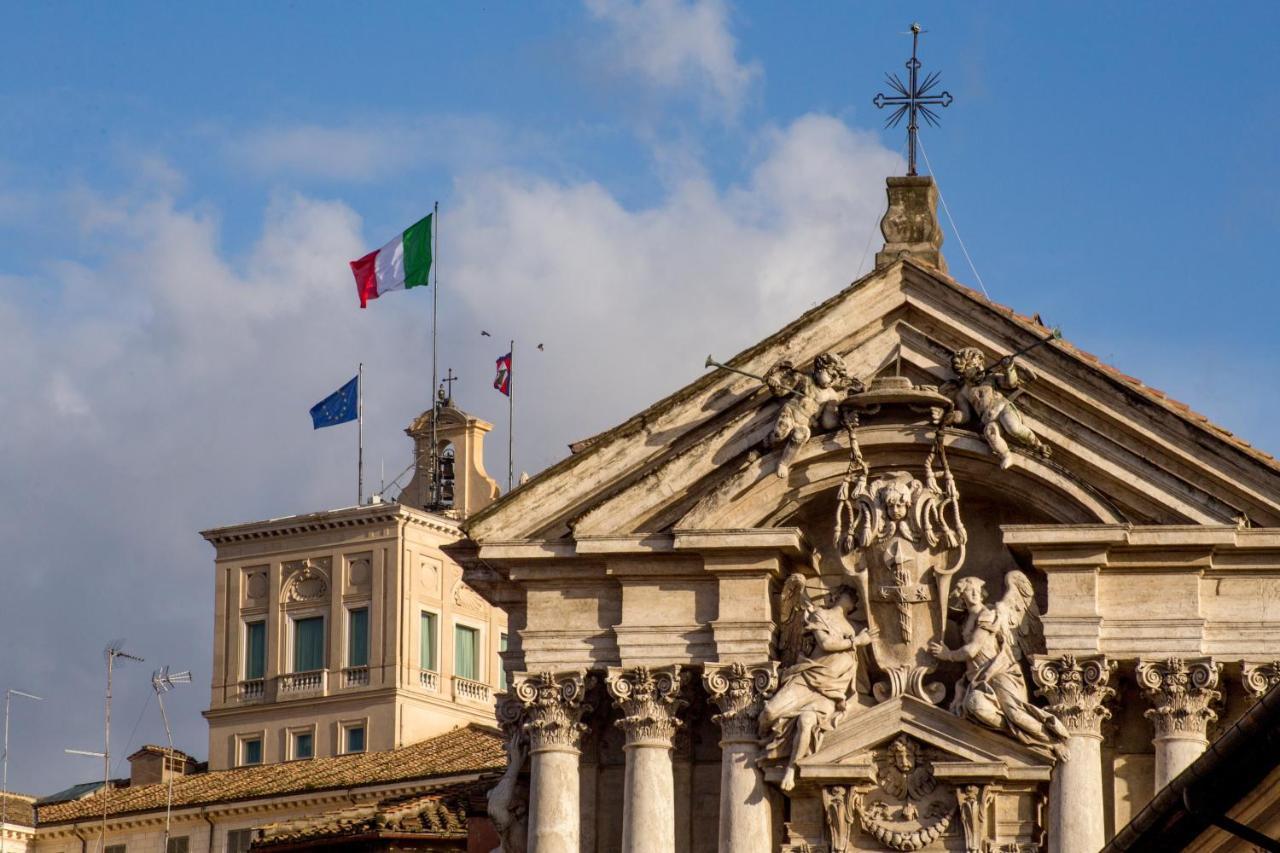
[739,691]
[553,708]
[1259,677]
[1181,692]
[649,699]
[1076,687]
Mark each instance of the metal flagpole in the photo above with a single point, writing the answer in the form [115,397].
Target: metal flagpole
[4,786]
[435,372]
[113,651]
[511,411]
[360,434]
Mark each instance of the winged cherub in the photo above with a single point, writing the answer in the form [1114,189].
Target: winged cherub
[979,392]
[818,643]
[997,639]
[812,400]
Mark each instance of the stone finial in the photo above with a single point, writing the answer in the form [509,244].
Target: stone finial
[739,692]
[649,700]
[553,709]
[1259,678]
[910,225]
[1181,692]
[1076,689]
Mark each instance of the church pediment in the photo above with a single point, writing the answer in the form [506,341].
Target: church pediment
[1117,451]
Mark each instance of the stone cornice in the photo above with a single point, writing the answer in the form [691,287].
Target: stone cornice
[348,518]
[1142,548]
[785,541]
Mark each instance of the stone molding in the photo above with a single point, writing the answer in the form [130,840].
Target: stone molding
[649,700]
[975,802]
[739,691]
[1077,690]
[553,709]
[1259,678]
[1181,692]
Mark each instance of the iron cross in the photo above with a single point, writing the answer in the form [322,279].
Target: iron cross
[449,379]
[913,98]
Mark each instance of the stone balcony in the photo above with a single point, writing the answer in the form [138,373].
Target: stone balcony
[429,679]
[253,690]
[292,685]
[355,676]
[471,692]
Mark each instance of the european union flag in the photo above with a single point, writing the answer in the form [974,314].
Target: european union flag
[339,407]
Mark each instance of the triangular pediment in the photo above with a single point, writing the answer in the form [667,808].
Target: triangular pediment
[1122,453]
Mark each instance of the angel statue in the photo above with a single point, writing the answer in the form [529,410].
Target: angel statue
[821,670]
[997,639]
[812,400]
[979,392]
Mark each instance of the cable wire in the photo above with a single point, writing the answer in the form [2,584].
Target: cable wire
[947,211]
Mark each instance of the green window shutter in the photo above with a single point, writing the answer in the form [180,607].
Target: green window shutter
[358,637]
[355,739]
[429,642]
[502,668]
[308,644]
[466,652]
[252,751]
[303,746]
[255,650]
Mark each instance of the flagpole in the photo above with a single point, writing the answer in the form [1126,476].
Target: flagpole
[360,434]
[435,373]
[511,412]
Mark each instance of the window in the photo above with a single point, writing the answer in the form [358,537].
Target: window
[354,736]
[255,650]
[428,642]
[466,652]
[502,667]
[238,840]
[358,637]
[303,745]
[114,848]
[181,844]
[250,750]
[308,644]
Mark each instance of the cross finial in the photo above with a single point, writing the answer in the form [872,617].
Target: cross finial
[448,380]
[913,99]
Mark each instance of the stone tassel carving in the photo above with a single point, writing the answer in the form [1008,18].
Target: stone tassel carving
[553,708]
[1182,693]
[649,700]
[1259,678]
[739,691]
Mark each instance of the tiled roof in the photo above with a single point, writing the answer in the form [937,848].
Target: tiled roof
[19,809]
[470,749]
[438,814]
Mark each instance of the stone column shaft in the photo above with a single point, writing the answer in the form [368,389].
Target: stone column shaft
[1076,688]
[1181,692]
[649,701]
[553,705]
[745,816]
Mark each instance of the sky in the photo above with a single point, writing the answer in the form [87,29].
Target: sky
[631,183]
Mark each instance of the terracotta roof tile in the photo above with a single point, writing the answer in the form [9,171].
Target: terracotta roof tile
[19,809]
[470,749]
[439,814]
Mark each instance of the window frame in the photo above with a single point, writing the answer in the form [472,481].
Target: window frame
[246,648]
[478,630]
[247,834]
[294,619]
[504,640]
[178,844]
[350,635]
[243,740]
[292,743]
[344,730]
[436,620]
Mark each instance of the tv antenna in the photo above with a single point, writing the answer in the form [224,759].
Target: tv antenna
[162,681]
[114,649]
[4,786]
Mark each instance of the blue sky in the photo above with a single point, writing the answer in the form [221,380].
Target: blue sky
[632,183]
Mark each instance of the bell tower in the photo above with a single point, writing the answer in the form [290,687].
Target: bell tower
[464,485]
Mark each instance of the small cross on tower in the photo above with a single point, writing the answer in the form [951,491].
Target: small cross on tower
[913,99]
[449,379]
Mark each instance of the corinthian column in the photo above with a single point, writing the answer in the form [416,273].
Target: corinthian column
[1076,688]
[553,721]
[649,700]
[1181,692]
[739,692]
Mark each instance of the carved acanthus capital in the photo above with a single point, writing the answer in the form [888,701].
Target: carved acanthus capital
[739,692]
[1076,689]
[649,700]
[553,708]
[1181,692]
[1259,678]
[975,802]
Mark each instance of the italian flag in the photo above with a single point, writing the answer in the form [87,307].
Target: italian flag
[401,264]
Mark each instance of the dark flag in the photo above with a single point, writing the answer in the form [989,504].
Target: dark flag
[503,380]
[339,407]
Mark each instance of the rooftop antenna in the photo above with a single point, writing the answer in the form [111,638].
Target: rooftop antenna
[93,753]
[113,650]
[162,681]
[4,786]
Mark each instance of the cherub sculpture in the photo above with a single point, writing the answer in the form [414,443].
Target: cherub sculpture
[818,643]
[979,392]
[812,400]
[997,639]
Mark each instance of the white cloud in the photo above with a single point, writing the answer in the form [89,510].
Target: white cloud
[679,44]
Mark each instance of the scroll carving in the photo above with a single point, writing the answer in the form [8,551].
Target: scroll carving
[1182,693]
[553,706]
[1076,689]
[739,692]
[649,700]
[306,581]
[1259,678]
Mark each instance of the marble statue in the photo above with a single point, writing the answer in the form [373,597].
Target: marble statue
[993,690]
[812,400]
[822,641]
[508,801]
[978,392]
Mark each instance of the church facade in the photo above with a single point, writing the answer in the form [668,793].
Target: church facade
[913,573]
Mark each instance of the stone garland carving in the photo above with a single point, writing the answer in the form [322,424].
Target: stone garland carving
[978,393]
[812,400]
[1259,678]
[1181,692]
[993,690]
[307,582]
[739,692]
[553,707]
[821,640]
[649,700]
[1076,689]
[508,801]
